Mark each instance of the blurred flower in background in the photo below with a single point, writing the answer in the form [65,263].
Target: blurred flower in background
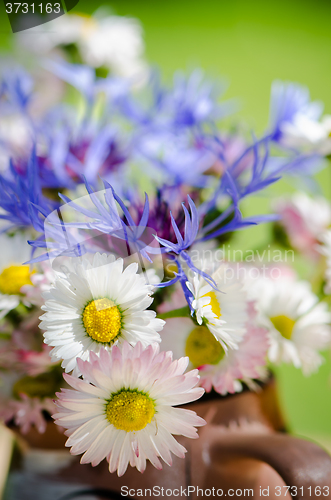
[103,40]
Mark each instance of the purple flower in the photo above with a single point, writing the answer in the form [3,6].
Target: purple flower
[72,155]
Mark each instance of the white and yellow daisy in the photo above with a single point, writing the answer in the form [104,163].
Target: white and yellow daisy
[222,311]
[97,305]
[123,409]
[298,324]
[13,275]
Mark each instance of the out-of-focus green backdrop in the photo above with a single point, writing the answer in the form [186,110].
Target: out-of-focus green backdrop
[249,43]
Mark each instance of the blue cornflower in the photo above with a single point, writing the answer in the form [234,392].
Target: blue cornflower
[287,101]
[73,150]
[159,221]
[78,75]
[179,158]
[191,228]
[57,239]
[16,90]
[71,158]
[21,198]
[104,218]
[193,100]
[83,78]
[252,171]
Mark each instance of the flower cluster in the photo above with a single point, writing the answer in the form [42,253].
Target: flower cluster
[113,208]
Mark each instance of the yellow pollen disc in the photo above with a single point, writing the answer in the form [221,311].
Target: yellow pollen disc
[89,25]
[130,410]
[202,348]
[102,320]
[171,269]
[284,325]
[13,278]
[214,303]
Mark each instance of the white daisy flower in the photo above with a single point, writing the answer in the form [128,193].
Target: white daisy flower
[297,323]
[95,306]
[223,311]
[123,409]
[115,42]
[307,132]
[13,275]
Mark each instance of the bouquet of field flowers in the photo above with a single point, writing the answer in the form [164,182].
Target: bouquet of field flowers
[120,296]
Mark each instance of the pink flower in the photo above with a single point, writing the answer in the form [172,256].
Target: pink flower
[26,412]
[305,220]
[228,371]
[36,362]
[176,301]
[25,352]
[41,283]
[243,365]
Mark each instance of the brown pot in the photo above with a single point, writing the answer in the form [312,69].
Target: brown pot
[242,451]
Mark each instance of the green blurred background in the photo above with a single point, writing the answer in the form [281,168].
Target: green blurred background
[249,43]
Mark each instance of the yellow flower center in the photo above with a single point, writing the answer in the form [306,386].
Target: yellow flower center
[130,410]
[89,24]
[214,303]
[171,268]
[13,278]
[102,320]
[284,325]
[202,348]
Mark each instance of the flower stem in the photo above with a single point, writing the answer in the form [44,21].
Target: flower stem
[182,312]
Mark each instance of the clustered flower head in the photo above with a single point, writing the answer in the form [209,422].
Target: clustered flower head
[112,216]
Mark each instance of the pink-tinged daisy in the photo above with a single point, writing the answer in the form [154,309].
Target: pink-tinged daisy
[241,366]
[97,305]
[123,408]
[304,219]
[225,372]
